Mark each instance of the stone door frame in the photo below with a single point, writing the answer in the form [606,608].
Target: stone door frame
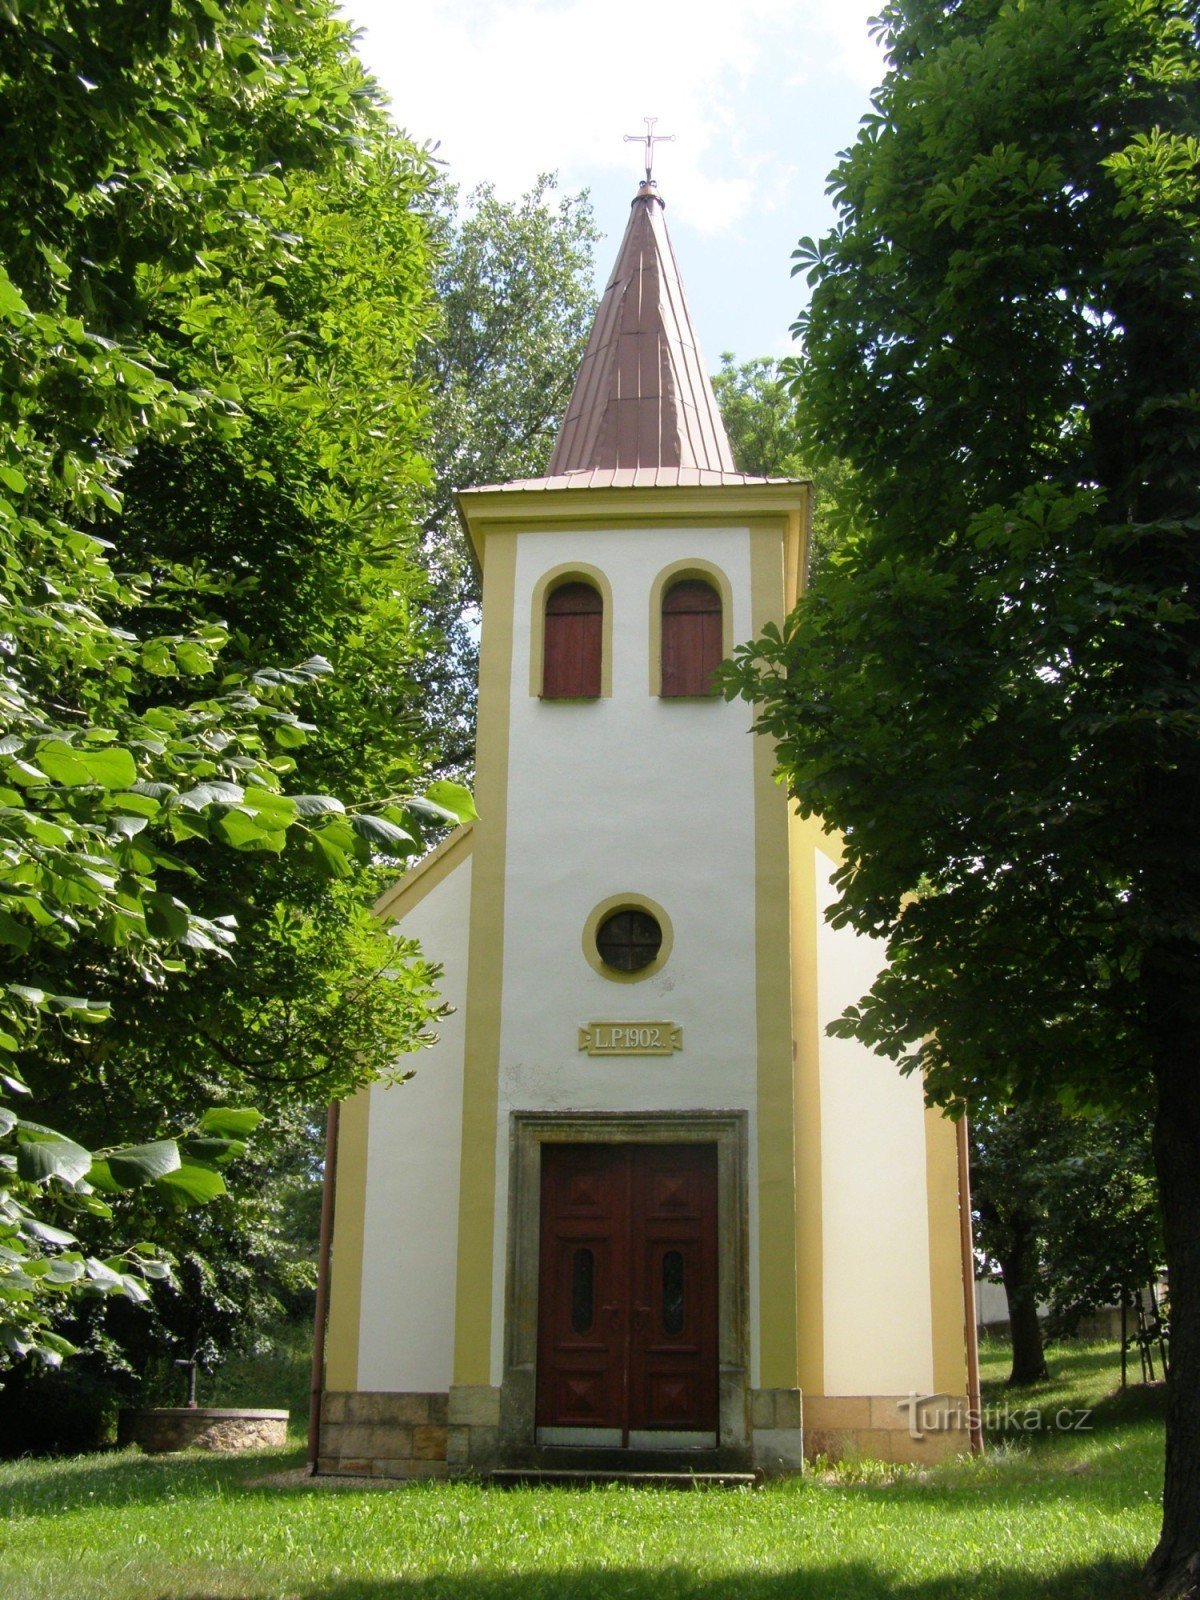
[528,1131]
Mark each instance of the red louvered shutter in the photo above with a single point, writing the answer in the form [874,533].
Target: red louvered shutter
[572,643]
[691,638]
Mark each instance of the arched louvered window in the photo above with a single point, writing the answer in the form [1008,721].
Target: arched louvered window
[572,643]
[691,637]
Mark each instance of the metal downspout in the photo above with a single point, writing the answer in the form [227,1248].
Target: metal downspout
[321,1314]
[974,1401]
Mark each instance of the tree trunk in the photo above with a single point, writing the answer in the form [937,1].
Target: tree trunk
[1174,1568]
[1018,1269]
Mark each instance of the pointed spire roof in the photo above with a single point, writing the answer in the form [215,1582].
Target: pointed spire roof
[642,401]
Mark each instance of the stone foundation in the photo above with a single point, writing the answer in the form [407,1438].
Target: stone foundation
[461,1434]
[900,1428]
[374,1435]
[158,1429]
[777,1431]
[474,1418]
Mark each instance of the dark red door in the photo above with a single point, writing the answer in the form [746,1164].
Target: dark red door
[627,1317]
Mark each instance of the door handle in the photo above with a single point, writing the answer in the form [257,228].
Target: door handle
[641,1315]
[613,1312]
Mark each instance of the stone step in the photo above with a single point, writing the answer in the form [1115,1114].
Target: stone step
[561,1477]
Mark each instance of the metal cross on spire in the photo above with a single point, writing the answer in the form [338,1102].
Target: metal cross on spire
[649,139]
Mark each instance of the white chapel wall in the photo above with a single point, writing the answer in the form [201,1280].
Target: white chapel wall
[410,1239]
[627,794]
[874,1202]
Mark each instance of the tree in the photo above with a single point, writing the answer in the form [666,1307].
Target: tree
[516,299]
[991,687]
[1065,1213]
[155,309]
[761,405]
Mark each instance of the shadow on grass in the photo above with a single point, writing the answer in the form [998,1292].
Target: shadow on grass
[1133,1413]
[1106,1580]
[47,1486]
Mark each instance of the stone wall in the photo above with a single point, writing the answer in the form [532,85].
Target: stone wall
[900,1428]
[383,1435]
[163,1428]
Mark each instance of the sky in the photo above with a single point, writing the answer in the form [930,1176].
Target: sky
[761,95]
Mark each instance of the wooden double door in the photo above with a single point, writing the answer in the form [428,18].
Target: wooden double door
[627,1295]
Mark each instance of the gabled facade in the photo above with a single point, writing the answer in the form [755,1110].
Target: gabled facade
[636,1207]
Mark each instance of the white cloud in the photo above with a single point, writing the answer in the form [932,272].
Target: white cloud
[513,87]
[857,55]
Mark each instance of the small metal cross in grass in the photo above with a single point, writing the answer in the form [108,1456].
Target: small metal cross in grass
[190,1364]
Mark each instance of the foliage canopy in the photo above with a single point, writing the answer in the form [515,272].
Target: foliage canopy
[992,688]
[195,390]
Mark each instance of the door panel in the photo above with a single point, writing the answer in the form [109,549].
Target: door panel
[627,1316]
[581,1331]
[673,1356]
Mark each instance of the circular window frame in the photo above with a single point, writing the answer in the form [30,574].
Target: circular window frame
[606,909]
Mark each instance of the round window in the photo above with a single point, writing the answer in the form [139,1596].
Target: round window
[629,940]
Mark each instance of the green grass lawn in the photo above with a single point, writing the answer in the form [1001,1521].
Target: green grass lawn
[1047,1514]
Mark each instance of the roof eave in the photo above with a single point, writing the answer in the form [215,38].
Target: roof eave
[526,505]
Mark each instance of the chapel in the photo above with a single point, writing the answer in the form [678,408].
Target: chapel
[637,1208]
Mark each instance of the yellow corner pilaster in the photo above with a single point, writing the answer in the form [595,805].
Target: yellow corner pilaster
[477,1193]
[806,838]
[776,1111]
[945,1255]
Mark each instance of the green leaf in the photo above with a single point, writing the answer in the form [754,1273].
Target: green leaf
[11,304]
[213,1152]
[230,1122]
[316,805]
[99,1176]
[276,809]
[14,933]
[143,1163]
[198,1184]
[62,764]
[75,768]
[46,1232]
[133,1289]
[331,860]
[138,805]
[193,658]
[111,769]
[454,798]
[62,1272]
[43,1154]
[384,835]
[238,829]
[431,811]
[103,1275]
[56,1342]
[165,916]
[212,792]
